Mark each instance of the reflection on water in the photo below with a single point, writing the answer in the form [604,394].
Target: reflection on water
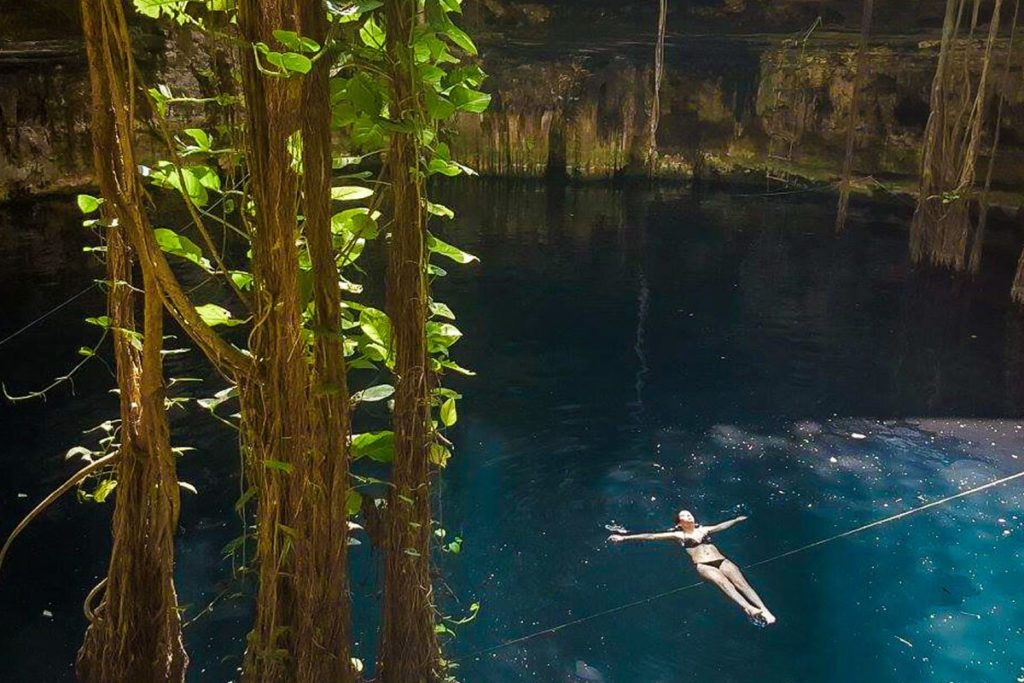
[639,352]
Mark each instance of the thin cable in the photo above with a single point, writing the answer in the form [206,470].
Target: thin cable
[46,315]
[760,563]
[892,518]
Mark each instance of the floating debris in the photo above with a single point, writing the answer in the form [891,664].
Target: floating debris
[858,435]
[905,641]
[48,614]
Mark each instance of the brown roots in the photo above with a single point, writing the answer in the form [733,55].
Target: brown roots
[408,651]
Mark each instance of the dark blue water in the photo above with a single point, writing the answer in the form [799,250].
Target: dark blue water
[638,352]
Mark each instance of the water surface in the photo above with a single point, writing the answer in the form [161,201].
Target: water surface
[638,351]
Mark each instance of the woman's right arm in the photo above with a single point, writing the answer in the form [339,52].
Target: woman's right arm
[623,538]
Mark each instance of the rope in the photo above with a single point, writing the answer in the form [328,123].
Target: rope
[46,315]
[760,563]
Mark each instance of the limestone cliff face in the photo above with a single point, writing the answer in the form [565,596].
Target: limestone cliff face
[572,88]
[44,133]
[45,143]
[771,105]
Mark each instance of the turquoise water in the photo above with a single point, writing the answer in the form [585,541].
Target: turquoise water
[638,351]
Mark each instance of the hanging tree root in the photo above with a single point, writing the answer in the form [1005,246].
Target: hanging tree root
[408,650]
[135,632]
[942,228]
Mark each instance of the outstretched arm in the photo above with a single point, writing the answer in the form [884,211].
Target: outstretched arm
[663,536]
[714,529]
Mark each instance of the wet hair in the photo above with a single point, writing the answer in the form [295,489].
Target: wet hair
[680,513]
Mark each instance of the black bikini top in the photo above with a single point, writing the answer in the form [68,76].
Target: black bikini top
[693,543]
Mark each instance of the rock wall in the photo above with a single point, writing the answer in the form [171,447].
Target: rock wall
[574,103]
[770,106]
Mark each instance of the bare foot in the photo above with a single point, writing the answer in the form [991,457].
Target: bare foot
[754,613]
[768,617]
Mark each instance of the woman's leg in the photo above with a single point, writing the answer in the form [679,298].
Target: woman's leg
[715,576]
[733,573]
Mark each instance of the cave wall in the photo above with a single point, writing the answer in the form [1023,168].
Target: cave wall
[574,103]
[730,107]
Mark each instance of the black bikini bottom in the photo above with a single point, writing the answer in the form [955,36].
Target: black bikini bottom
[713,563]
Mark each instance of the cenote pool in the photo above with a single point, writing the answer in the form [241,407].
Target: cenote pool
[637,351]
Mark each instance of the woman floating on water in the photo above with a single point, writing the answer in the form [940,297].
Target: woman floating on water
[711,564]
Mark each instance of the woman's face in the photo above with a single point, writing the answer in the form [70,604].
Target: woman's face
[685,518]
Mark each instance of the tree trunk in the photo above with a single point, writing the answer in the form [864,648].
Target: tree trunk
[135,632]
[408,650]
[851,123]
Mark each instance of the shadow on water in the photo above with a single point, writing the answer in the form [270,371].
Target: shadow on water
[638,351]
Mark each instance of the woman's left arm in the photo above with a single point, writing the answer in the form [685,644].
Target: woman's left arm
[725,525]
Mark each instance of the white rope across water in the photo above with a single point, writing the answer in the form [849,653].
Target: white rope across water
[760,563]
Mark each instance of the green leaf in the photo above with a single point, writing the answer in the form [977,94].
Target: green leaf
[290,61]
[103,321]
[460,38]
[201,138]
[449,414]
[372,34]
[376,325]
[296,43]
[354,223]
[441,310]
[443,167]
[377,446]
[439,455]
[104,490]
[440,210]
[353,502]
[179,245]
[214,315]
[455,367]
[242,279]
[278,465]
[349,193]
[467,99]
[444,249]
[374,393]
[87,203]
[438,106]
[441,335]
